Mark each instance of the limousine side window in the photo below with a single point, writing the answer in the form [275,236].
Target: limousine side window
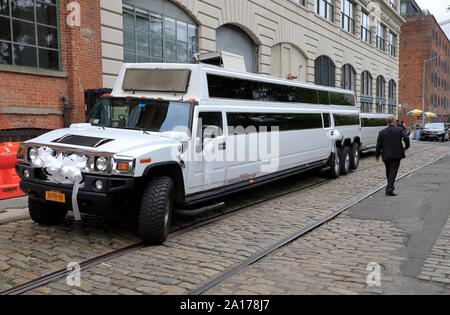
[252,122]
[235,88]
[326,120]
[373,122]
[346,120]
[206,119]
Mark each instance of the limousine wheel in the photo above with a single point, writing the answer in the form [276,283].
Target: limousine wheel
[354,156]
[335,164]
[46,213]
[156,210]
[345,160]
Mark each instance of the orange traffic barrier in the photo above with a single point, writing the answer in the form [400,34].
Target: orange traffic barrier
[9,180]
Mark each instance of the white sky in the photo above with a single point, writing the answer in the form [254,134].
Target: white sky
[439,9]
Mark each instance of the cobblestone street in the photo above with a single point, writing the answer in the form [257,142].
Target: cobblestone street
[332,259]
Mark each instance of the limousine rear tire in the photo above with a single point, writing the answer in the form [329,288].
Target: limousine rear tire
[335,164]
[46,213]
[354,156]
[156,210]
[345,160]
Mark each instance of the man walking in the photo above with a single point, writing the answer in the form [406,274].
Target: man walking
[390,146]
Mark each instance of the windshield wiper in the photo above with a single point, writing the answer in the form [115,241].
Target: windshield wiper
[137,128]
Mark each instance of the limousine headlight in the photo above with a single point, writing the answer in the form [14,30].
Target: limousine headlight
[33,154]
[101,163]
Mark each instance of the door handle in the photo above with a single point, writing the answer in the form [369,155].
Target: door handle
[222,146]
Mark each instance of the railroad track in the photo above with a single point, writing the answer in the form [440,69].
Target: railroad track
[44,280]
[258,256]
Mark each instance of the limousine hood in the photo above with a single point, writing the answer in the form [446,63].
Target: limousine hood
[98,139]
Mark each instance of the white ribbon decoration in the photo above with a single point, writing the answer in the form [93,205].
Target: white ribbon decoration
[63,170]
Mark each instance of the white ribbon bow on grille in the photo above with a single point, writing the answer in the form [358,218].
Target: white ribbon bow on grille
[63,170]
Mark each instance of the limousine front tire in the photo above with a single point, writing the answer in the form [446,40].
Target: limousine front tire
[156,210]
[335,164]
[46,213]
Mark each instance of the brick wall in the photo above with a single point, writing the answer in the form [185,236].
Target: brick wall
[416,45]
[30,98]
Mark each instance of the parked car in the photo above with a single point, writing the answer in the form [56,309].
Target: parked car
[435,131]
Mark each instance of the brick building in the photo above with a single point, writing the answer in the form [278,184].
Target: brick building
[42,58]
[423,39]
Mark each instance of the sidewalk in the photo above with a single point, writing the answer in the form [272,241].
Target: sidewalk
[407,236]
[11,208]
[422,211]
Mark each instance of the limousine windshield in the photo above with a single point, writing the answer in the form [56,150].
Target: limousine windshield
[140,114]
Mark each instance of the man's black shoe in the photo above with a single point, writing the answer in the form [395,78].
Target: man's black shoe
[391,194]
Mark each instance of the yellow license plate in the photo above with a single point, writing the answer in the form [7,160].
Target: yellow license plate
[431,136]
[55,196]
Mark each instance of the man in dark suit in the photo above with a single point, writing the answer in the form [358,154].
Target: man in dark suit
[390,146]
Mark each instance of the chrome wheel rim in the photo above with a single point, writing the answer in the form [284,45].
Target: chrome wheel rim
[356,157]
[347,162]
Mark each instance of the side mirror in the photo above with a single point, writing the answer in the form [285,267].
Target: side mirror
[211,132]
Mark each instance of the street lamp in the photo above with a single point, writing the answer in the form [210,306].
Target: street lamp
[423,87]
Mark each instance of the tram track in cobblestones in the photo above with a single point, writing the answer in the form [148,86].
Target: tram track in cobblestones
[39,282]
[223,276]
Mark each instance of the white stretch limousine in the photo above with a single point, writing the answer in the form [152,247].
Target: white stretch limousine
[371,125]
[173,137]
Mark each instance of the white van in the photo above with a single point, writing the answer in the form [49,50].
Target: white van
[371,125]
[174,137]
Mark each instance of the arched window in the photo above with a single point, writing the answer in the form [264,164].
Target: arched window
[381,87]
[288,62]
[392,90]
[348,77]
[232,39]
[366,83]
[160,32]
[325,71]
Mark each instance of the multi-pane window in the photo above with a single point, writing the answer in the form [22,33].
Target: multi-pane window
[381,43]
[153,37]
[366,83]
[325,71]
[348,77]
[325,8]
[392,90]
[347,12]
[366,107]
[366,34]
[392,49]
[392,109]
[380,108]
[29,33]
[381,87]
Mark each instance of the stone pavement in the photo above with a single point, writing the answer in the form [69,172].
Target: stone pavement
[407,236]
[337,260]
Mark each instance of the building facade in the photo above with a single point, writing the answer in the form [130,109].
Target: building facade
[423,40]
[349,44]
[46,63]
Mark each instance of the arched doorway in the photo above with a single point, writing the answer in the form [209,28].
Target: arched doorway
[231,38]
[288,62]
